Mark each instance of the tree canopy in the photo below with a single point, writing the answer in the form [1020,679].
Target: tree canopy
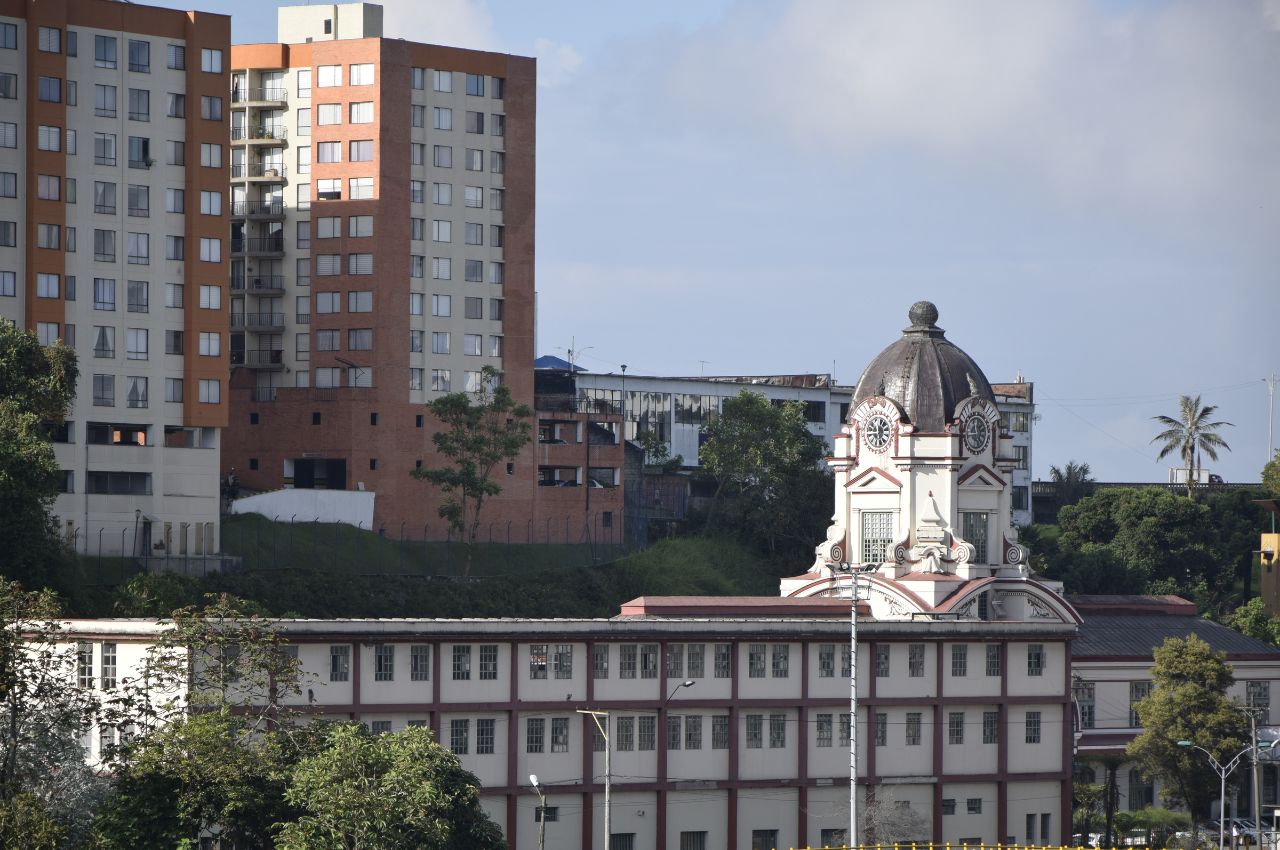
[1271,477]
[37,384]
[1188,702]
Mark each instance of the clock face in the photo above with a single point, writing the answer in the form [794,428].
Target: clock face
[976,434]
[877,432]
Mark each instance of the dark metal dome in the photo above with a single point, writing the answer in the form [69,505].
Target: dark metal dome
[924,373]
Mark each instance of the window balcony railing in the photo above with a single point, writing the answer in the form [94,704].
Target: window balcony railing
[271,172]
[264,393]
[248,208]
[270,94]
[257,321]
[303,318]
[258,245]
[263,357]
[269,133]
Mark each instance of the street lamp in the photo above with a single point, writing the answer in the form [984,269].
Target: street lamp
[608,774]
[542,812]
[1223,772]
[853,570]
[687,683]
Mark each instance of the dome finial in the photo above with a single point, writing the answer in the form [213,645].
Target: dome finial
[923,316]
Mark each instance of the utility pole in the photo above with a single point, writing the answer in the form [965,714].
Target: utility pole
[1271,416]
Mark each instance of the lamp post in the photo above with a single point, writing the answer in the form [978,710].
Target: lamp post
[853,570]
[542,812]
[1223,772]
[608,774]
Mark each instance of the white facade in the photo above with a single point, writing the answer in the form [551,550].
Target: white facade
[107,143]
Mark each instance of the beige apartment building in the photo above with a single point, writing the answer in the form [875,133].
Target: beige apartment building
[113,238]
[382,244]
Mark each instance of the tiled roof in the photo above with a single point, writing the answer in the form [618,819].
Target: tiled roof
[1132,635]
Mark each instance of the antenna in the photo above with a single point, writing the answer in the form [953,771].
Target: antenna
[1271,415]
[702,367]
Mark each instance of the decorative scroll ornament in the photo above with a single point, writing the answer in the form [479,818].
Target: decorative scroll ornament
[831,551]
[967,610]
[937,549]
[1016,554]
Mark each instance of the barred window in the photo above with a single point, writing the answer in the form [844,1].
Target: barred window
[990,727]
[459,736]
[649,661]
[627,661]
[625,734]
[419,662]
[777,731]
[462,662]
[960,660]
[1033,727]
[693,732]
[824,729]
[955,727]
[915,660]
[1138,691]
[877,536]
[1084,693]
[720,732]
[485,736]
[675,661]
[755,661]
[724,660]
[696,666]
[993,659]
[600,661]
[882,660]
[648,729]
[781,660]
[844,729]
[755,731]
[1035,659]
[913,729]
[846,661]
[488,662]
[674,731]
[882,729]
[339,663]
[826,661]
[1258,695]
[84,664]
[535,734]
[564,661]
[108,666]
[559,734]
[537,661]
[384,663]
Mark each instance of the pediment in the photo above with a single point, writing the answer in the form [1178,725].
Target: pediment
[874,480]
[981,477]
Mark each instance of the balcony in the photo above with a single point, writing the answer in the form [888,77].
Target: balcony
[271,284]
[302,319]
[257,209]
[257,321]
[274,96]
[263,393]
[258,246]
[268,135]
[258,171]
[259,358]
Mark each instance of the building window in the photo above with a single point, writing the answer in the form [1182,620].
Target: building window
[419,662]
[462,663]
[777,731]
[723,660]
[624,735]
[647,734]
[955,727]
[1141,791]
[990,727]
[559,734]
[537,661]
[960,660]
[780,660]
[693,841]
[877,536]
[459,735]
[84,664]
[485,736]
[720,732]
[755,661]
[882,729]
[973,526]
[1035,659]
[488,662]
[104,51]
[913,729]
[211,61]
[993,659]
[649,661]
[535,734]
[696,667]
[108,666]
[563,661]
[1033,727]
[973,805]
[546,814]
[384,662]
[824,729]
[755,731]
[1084,693]
[882,660]
[1021,456]
[339,663]
[1258,695]
[826,661]
[915,660]
[764,839]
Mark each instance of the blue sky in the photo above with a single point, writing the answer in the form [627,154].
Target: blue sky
[1087,190]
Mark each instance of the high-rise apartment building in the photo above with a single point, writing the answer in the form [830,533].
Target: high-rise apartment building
[113,238]
[382,245]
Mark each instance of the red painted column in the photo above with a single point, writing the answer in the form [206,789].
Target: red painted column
[938,730]
[355,680]
[513,748]
[802,754]
[1002,744]
[731,807]
[660,828]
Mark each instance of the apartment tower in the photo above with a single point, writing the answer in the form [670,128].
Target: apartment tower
[382,245]
[113,238]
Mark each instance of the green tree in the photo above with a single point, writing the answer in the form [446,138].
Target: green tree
[37,384]
[1188,702]
[479,430]
[386,792]
[1190,435]
[1071,483]
[657,452]
[1252,619]
[1271,477]
[764,457]
[44,712]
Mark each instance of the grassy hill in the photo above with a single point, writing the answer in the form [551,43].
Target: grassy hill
[319,570]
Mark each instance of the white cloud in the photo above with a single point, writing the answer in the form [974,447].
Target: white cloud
[1166,104]
[456,23]
[557,63]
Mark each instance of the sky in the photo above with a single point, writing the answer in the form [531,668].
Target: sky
[1088,191]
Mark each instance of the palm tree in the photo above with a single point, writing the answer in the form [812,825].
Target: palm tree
[1191,434]
[1071,483]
